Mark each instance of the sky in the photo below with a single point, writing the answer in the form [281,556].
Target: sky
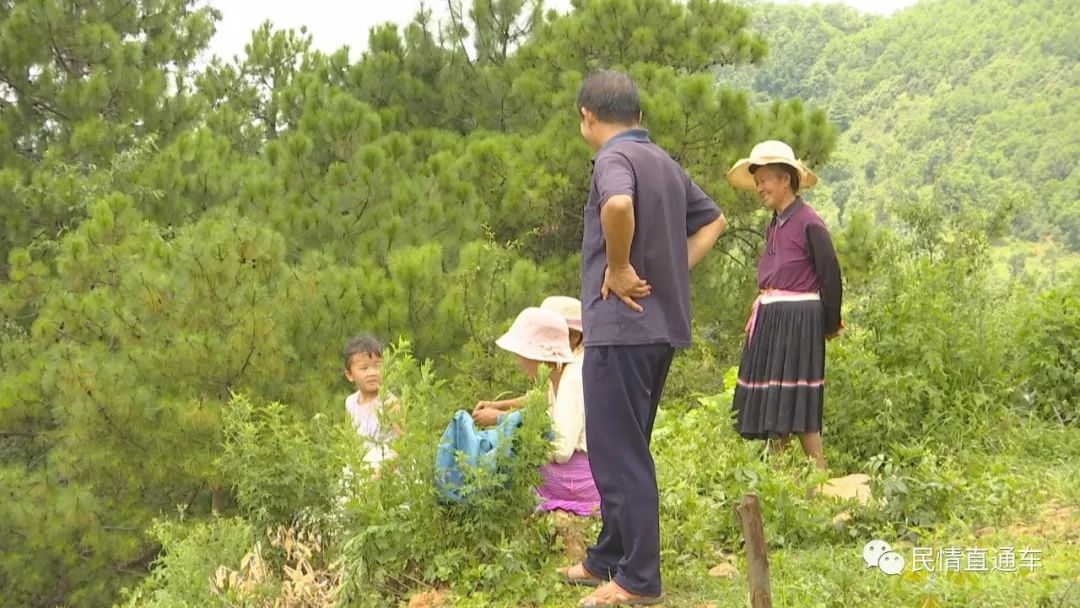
[334,23]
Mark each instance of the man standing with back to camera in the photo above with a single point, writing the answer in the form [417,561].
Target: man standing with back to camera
[646,224]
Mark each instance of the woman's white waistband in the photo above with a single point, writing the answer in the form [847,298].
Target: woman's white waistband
[801,297]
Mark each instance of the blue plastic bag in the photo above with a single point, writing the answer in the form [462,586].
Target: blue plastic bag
[480,447]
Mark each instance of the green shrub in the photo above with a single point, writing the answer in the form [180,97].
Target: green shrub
[278,466]
[696,372]
[190,555]
[918,489]
[704,468]
[1049,353]
[925,355]
[401,537]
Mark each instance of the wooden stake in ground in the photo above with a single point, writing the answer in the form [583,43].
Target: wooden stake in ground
[749,511]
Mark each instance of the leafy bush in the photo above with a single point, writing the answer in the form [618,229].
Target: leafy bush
[918,489]
[925,355]
[704,467]
[1049,353]
[278,466]
[696,372]
[490,542]
[192,553]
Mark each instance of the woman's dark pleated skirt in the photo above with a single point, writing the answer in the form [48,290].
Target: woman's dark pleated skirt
[782,375]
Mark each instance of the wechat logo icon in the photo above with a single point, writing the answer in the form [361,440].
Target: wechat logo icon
[879,554]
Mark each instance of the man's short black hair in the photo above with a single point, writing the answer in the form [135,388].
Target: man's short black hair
[361,345]
[612,96]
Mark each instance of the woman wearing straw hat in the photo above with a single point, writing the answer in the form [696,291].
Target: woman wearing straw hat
[540,336]
[781,383]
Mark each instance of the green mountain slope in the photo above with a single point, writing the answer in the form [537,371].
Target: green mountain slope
[947,103]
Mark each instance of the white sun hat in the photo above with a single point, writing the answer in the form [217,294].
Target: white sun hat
[540,335]
[766,153]
[569,308]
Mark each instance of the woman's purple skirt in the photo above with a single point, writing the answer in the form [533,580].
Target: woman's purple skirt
[569,487]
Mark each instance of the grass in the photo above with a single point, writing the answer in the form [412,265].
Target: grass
[1014,484]
[831,573]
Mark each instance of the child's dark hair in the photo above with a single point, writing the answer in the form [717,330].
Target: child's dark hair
[364,344]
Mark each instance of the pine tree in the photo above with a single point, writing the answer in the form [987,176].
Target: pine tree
[80,83]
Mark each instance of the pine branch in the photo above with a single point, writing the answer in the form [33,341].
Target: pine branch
[59,55]
[741,263]
[36,103]
[117,12]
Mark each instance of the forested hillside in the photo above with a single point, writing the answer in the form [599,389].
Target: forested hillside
[942,105]
[183,253]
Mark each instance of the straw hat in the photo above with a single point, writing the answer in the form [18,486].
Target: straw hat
[540,335]
[569,308]
[766,153]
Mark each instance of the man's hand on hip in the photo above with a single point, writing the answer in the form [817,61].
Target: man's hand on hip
[624,282]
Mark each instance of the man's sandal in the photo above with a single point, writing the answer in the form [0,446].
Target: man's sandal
[578,575]
[611,595]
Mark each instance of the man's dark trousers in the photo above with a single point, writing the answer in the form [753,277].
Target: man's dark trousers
[622,386]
